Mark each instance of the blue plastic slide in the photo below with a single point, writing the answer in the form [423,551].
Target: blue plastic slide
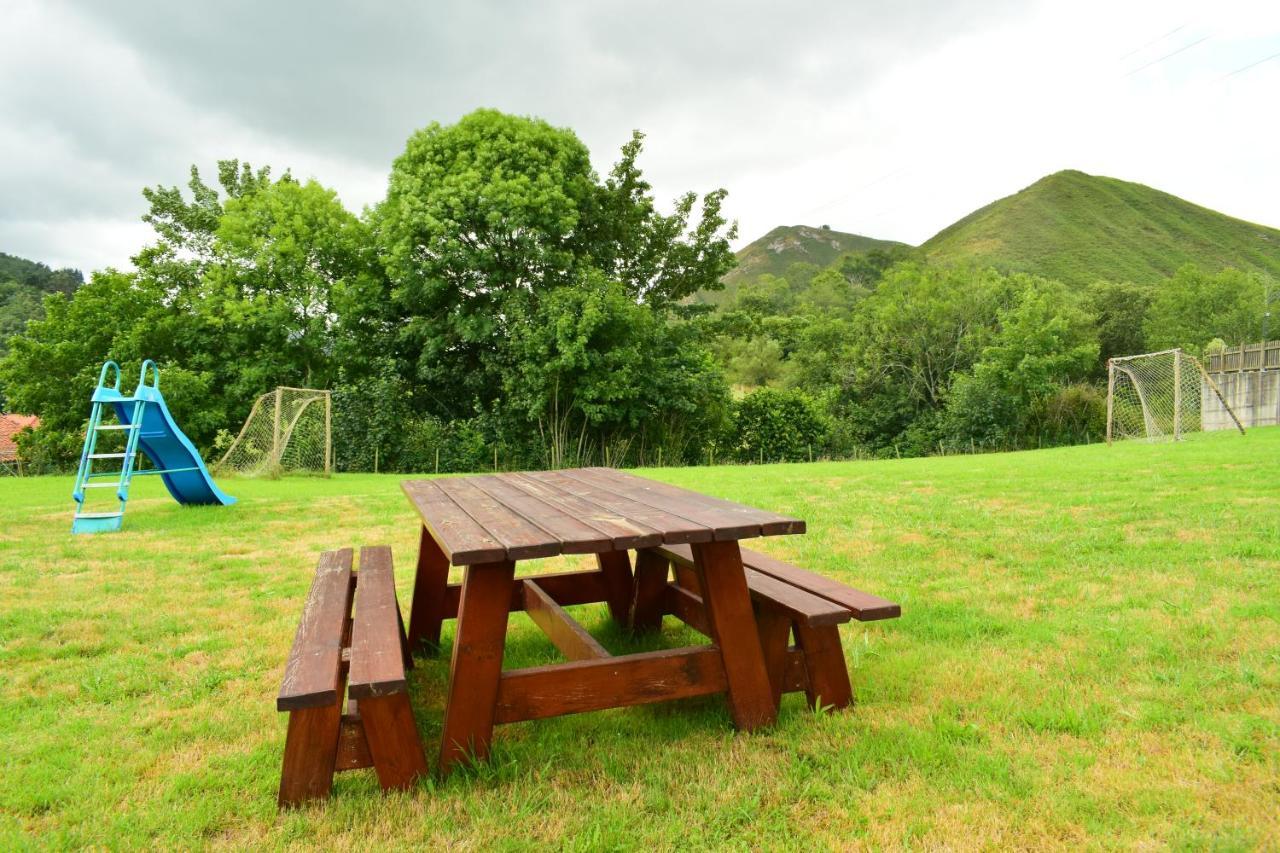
[148,428]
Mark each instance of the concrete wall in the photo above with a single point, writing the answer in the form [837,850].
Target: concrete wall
[1254,395]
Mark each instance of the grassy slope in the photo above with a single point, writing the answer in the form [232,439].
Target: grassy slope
[1079,228]
[1090,652]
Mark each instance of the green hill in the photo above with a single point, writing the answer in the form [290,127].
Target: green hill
[1079,228]
[785,245]
[23,286]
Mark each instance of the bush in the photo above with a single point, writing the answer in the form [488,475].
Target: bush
[777,426]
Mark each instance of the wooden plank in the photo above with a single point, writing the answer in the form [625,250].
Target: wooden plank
[565,588]
[624,533]
[394,745]
[674,528]
[825,664]
[310,751]
[729,519]
[463,539]
[353,747]
[428,609]
[576,535]
[652,570]
[311,674]
[377,659]
[733,627]
[615,571]
[522,539]
[774,624]
[798,603]
[561,629]
[477,663]
[687,607]
[864,606]
[572,688]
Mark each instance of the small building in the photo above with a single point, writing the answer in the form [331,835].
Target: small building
[10,426]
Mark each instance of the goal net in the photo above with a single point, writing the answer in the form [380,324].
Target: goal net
[1162,395]
[287,431]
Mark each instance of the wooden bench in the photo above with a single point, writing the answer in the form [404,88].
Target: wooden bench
[336,656]
[788,600]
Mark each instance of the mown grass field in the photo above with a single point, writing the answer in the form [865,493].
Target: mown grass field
[1089,654]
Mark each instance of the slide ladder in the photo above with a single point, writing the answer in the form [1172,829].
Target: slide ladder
[148,428]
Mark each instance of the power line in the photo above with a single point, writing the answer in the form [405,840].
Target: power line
[1250,65]
[1153,41]
[1167,56]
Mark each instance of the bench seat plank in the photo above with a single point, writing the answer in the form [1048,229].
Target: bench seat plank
[377,663]
[311,676]
[865,606]
[810,596]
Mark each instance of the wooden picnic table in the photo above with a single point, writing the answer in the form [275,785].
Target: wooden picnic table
[487,524]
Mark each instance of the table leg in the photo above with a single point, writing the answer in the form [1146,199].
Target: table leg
[828,673]
[775,632]
[429,584]
[477,663]
[651,581]
[616,568]
[733,627]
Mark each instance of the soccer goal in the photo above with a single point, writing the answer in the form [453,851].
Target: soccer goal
[288,431]
[1160,395]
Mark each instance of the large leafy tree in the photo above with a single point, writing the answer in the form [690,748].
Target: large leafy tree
[1194,307]
[1044,342]
[596,370]
[269,282]
[919,328]
[484,218]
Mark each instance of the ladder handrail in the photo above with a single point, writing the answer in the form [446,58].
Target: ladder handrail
[102,375]
[155,376]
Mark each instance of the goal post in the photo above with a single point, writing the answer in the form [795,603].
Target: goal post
[289,430]
[1160,395]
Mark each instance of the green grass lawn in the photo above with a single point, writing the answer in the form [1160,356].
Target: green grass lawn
[1089,653]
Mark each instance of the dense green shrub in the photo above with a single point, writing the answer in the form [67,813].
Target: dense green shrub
[771,425]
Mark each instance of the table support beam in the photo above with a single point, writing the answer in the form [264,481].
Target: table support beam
[615,570]
[429,585]
[572,688]
[477,663]
[561,629]
[733,627]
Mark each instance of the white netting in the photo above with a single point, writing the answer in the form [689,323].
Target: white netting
[287,431]
[1158,395]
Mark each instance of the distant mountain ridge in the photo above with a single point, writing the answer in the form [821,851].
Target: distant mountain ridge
[785,245]
[1079,228]
[1071,226]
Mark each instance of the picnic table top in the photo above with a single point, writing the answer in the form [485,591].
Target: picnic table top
[493,518]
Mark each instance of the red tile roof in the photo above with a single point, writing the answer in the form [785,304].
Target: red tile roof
[9,427]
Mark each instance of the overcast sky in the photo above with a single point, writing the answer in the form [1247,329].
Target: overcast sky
[889,119]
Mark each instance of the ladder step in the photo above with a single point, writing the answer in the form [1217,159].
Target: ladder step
[101,485]
[99,514]
[107,455]
[116,426]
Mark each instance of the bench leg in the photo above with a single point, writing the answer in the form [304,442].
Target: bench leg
[733,627]
[428,596]
[393,739]
[616,568]
[775,633]
[824,661]
[310,751]
[477,663]
[651,580]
